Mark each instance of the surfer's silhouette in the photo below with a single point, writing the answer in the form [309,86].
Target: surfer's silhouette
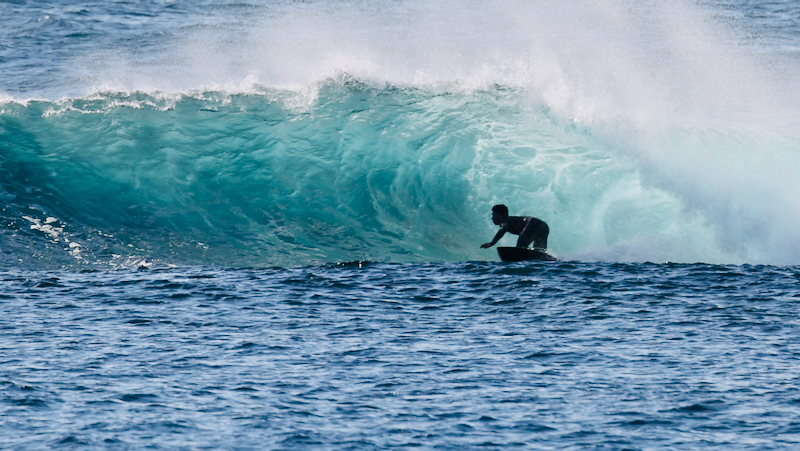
[528,228]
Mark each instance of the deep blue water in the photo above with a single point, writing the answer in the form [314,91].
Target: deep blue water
[230,225]
[372,356]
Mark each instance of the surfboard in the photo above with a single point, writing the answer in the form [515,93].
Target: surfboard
[518,254]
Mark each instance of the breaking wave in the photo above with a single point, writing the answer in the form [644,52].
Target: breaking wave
[342,131]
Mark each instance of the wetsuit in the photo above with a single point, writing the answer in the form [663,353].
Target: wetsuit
[529,229]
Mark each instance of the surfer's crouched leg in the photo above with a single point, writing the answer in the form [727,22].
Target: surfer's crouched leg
[538,236]
[525,240]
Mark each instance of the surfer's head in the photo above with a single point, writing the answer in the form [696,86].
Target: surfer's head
[499,214]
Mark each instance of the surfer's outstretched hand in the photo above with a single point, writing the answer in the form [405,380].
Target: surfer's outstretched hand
[486,245]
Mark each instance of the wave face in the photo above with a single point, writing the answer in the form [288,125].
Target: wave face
[245,180]
[291,134]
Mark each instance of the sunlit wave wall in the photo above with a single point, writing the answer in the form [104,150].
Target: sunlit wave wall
[295,133]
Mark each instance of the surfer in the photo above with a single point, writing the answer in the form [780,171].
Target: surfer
[528,228]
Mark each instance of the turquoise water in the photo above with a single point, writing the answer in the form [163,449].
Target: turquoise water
[258,225]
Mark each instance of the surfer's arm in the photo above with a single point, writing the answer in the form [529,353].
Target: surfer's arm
[496,238]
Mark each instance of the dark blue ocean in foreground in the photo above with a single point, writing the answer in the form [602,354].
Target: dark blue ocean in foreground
[479,355]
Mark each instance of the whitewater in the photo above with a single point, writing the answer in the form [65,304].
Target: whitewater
[289,134]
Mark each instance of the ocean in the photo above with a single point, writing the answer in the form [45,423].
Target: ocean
[232,225]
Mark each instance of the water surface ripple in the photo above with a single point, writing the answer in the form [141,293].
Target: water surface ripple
[367,356]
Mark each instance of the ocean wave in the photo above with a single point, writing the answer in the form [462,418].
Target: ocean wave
[358,172]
